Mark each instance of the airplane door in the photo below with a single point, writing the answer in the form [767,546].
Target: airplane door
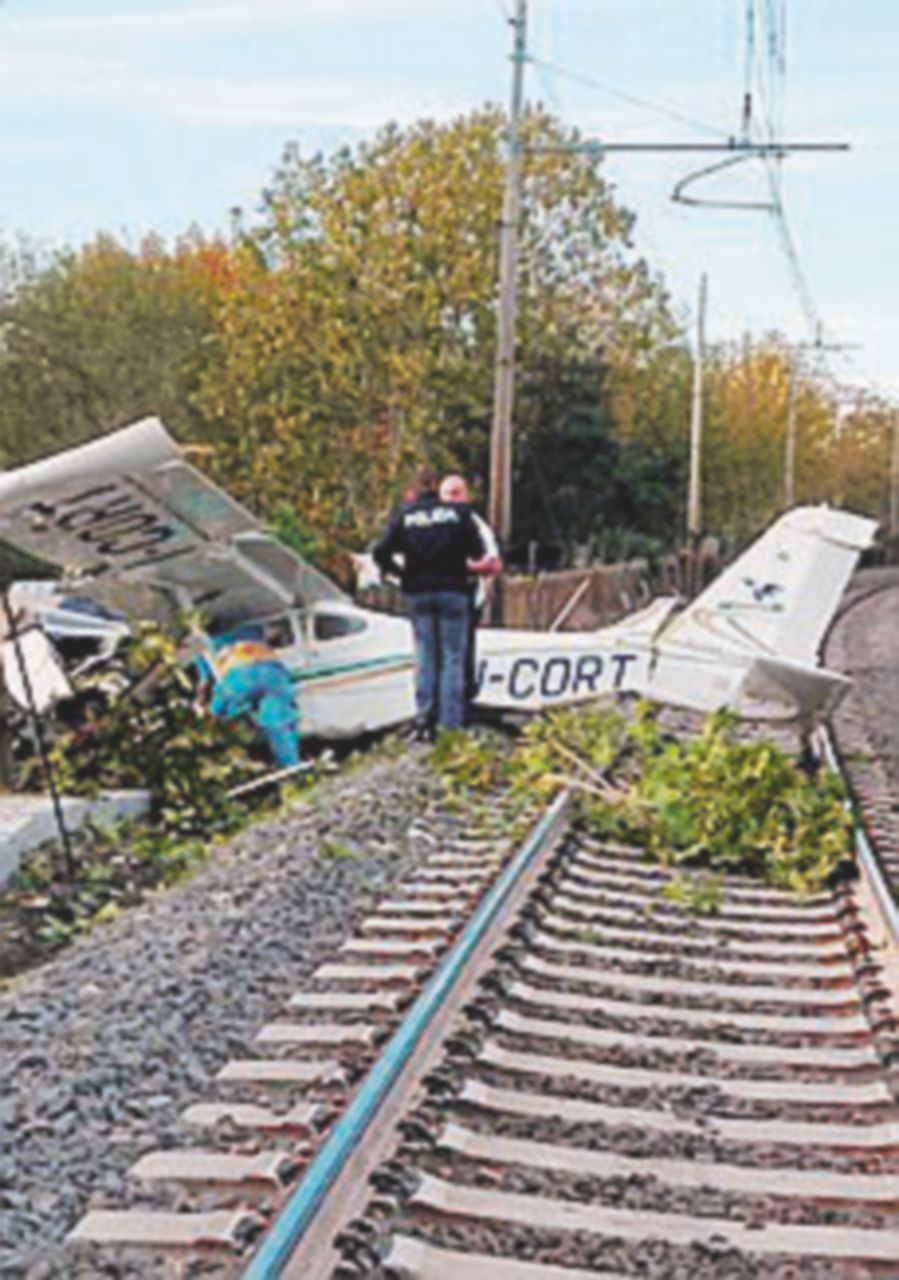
[357,676]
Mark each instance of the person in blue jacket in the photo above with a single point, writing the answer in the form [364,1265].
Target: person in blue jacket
[241,675]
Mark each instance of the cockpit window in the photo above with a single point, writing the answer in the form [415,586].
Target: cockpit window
[278,632]
[334,626]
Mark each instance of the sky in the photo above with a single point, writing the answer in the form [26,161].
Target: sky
[132,116]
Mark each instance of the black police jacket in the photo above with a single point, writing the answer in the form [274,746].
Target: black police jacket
[435,540]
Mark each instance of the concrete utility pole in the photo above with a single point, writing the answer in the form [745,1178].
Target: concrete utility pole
[819,346]
[894,478]
[500,506]
[694,495]
[790,442]
[6,743]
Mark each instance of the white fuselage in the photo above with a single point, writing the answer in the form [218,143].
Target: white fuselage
[355,668]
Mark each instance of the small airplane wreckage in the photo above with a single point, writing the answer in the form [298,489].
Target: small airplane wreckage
[129,509]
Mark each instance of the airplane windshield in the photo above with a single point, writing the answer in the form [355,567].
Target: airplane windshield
[279,632]
[336,626]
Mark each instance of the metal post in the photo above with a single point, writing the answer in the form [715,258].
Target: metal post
[500,506]
[694,497]
[64,838]
[6,753]
[790,444]
[894,478]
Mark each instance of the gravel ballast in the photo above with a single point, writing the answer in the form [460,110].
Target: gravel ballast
[103,1047]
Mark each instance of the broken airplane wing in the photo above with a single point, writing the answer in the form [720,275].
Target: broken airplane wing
[129,507]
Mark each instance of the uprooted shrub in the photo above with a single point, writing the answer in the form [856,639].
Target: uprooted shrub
[711,802]
[151,735]
[147,733]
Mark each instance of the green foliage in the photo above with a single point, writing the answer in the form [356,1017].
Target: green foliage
[41,911]
[568,743]
[338,850]
[288,525]
[841,457]
[701,895]
[153,736]
[470,764]
[351,332]
[716,802]
[597,468]
[96,338]
[711,802]
[360,334]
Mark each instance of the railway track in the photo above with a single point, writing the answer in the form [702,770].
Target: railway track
[528,1065]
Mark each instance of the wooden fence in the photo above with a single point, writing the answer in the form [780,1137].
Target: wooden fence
[583,599]
[574,599]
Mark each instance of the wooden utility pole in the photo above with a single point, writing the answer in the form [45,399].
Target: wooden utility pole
[500,506]
[694,496]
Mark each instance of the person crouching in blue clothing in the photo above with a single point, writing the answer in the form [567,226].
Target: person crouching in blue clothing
[248,679]
[428,545]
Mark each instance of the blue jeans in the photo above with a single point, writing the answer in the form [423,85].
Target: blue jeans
[440,627]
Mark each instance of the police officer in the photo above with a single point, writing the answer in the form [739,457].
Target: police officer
[454,488]
[428,544]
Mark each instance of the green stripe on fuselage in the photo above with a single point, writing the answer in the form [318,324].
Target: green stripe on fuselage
[377,666]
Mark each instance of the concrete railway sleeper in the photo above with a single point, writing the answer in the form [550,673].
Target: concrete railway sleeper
[506,1164]
[528,1066]
[332,1039]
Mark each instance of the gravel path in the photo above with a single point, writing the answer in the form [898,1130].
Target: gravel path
[102,1048]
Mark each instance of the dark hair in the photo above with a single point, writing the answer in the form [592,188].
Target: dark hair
[427,480]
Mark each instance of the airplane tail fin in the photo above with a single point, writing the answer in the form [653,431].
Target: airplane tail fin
[776,601]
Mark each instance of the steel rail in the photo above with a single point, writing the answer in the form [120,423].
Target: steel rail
[868,860]
[867,856]
[302,1207]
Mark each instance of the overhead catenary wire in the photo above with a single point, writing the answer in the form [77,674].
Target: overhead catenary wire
[601,86]
[762,120]
[748,141]
[545,70]
[768,72]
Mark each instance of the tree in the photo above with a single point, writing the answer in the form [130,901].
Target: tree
[359,334]
[841,455]
[96,338]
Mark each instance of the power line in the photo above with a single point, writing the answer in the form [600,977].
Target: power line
[791,251]
[768,72]
[764,77]
[549,88]
[613,91]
